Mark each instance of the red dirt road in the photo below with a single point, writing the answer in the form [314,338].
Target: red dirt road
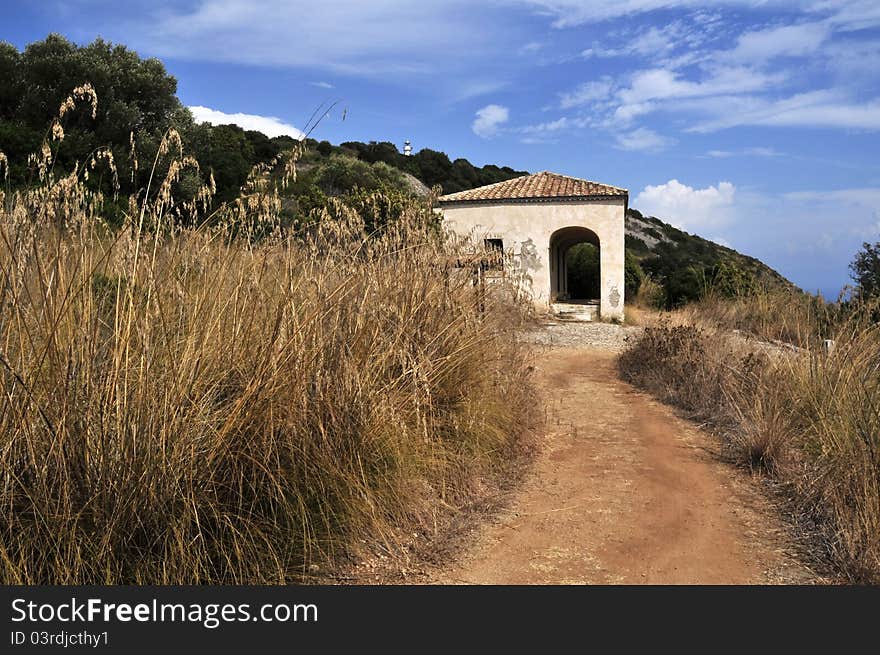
[623,491]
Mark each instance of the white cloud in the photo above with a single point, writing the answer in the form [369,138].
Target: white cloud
[661,84]
[586,93]
[757,151]
[651,42]
[661,89]
[727,97]
[625,114]
[785,41]
[851,58]
[379,37]
[761,151]
[642,139]
[570,13]
[853,14]
[542,132]
[530,48]
[866,196]
[467,89]
[550,126]
[489,119]
[824,108]
[686,207]
[322,85]
[656,42]
[268,125]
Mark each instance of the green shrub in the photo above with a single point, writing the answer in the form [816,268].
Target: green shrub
[633,275]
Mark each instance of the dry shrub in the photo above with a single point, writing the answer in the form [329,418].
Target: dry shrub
[691,367]
[651,294]
[771,314]
[188,406]
[808,418]
[835,420]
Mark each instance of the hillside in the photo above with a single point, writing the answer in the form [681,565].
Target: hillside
[683,264]
[432,167]
[648,236]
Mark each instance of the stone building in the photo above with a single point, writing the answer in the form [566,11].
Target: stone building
[537,218]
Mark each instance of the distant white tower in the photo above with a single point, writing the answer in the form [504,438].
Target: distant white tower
[407,148]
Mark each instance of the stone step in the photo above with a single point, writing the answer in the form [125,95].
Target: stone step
[585,312]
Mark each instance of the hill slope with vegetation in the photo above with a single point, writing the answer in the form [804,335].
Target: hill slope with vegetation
[687,265]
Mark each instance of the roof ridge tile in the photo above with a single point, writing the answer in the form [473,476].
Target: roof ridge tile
[543,184]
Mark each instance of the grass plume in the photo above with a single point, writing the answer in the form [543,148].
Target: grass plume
[236,401]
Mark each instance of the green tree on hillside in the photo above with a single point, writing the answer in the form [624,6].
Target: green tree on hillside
[730,281]
[633,275]
[134,96]
[227,152]
[339,175]
[865,271]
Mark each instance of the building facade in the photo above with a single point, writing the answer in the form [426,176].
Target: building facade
[537,219]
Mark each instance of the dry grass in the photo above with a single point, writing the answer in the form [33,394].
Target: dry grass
[185,406]
[774,314]
[807,418]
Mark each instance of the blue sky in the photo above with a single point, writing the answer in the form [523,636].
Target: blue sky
[755,123]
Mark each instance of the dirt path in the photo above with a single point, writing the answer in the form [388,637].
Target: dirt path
[623,491]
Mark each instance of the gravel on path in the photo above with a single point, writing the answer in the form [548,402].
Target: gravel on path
[605,336]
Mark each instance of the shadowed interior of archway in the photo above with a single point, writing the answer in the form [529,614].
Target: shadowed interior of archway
[575,272]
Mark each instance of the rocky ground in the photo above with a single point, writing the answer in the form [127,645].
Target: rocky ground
[605,336]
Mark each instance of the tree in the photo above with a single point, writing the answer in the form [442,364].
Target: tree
[633,275]
[134,96]
[381,151]
[434,167]
[728,280]
[340,175]
[865,270]
[325,148]
[226,151]
[264,149]
[10,90]
[685,285]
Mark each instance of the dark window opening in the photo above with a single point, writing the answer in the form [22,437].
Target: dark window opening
[494,253]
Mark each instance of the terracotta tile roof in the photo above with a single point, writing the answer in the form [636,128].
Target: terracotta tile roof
[536,186]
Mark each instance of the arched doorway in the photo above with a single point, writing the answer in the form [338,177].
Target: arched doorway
[575,271]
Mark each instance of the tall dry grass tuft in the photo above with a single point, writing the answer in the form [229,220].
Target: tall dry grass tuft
[771,314]
[232,404]
[805,416]
[835,416]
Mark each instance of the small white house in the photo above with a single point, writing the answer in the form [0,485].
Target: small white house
[537,218]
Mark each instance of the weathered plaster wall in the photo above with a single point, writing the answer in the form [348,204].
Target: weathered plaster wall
[526,229]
